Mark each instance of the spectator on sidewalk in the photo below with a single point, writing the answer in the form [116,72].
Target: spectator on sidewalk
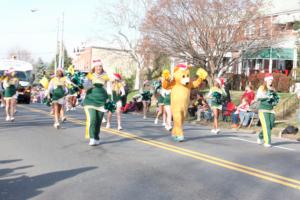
[241,114]
[203,109]
[249,94]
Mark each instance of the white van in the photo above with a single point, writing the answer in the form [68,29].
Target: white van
[23,72]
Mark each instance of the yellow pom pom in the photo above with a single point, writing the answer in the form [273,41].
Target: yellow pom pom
[71,70]
[166,74]
[44,82]
[201,73]
[105,77]
[89,76]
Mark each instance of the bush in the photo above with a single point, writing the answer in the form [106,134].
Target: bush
[281,82]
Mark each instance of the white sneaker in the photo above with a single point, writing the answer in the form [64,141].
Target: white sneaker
[217,131]
[259,141]
[63,119]
[67,109]
[2,105]
[267,145]
[120,128]
[7,118]
[107,125]
[104,120]
[156,121]
[12,119]
[56,125]
[144,117]
[213,131]
[93,142]
[163,124]
[168,128]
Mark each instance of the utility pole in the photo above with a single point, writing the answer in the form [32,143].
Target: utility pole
[61,49]
[271,59]
[57,47]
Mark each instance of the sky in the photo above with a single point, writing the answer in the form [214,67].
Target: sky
[84,22]
[37,31]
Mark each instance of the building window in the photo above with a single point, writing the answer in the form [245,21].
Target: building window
[250,31]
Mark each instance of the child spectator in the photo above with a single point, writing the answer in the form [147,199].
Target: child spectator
[241,113]
[203,109]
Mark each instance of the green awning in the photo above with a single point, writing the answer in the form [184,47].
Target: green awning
[277,54]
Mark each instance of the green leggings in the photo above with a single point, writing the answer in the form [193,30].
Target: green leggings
[267,121]
[93,123]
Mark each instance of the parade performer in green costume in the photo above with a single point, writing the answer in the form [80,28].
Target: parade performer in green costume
[167,106]
[10,85]
[268,99]
[118,91]
[160,103]
[216,95]
[95,100]
[146,97]
[57,89]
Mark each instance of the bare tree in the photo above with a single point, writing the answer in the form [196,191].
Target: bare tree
[125,19]
[20,54]
[203,32]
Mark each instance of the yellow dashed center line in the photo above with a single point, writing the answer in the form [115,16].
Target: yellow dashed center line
[289,182]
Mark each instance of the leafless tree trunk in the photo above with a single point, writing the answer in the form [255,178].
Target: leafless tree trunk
[125,18]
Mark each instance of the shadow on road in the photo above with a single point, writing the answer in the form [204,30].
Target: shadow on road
[283,143]
[26,187]
[9,161]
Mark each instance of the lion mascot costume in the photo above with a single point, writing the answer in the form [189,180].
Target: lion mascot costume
[181,86]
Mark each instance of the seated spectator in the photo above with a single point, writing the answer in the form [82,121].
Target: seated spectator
[203,109]
[227,110]
[242,114]
[129,107]
[249,94]
[192,109]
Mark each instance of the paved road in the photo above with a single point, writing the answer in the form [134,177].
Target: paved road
[141,162]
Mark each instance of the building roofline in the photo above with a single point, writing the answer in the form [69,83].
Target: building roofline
[284,12]
[108,48]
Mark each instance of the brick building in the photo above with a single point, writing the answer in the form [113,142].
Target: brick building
[280,21]
[114,60]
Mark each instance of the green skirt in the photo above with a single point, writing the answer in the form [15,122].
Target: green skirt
[58,93]
[160,100]
[96,96]
[10,91]
[167,100]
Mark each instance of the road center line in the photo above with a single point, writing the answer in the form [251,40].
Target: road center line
[289,182]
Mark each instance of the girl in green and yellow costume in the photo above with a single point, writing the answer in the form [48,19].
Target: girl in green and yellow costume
[2,103]
[166,94]
[268,99]
[10,85]
[118,91]
[57,89]
[95,101]
[146,97]
[160,102]
[216,96]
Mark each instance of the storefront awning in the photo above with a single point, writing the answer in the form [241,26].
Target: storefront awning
[277,54]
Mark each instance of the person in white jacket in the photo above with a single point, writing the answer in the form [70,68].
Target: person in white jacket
[117,91]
